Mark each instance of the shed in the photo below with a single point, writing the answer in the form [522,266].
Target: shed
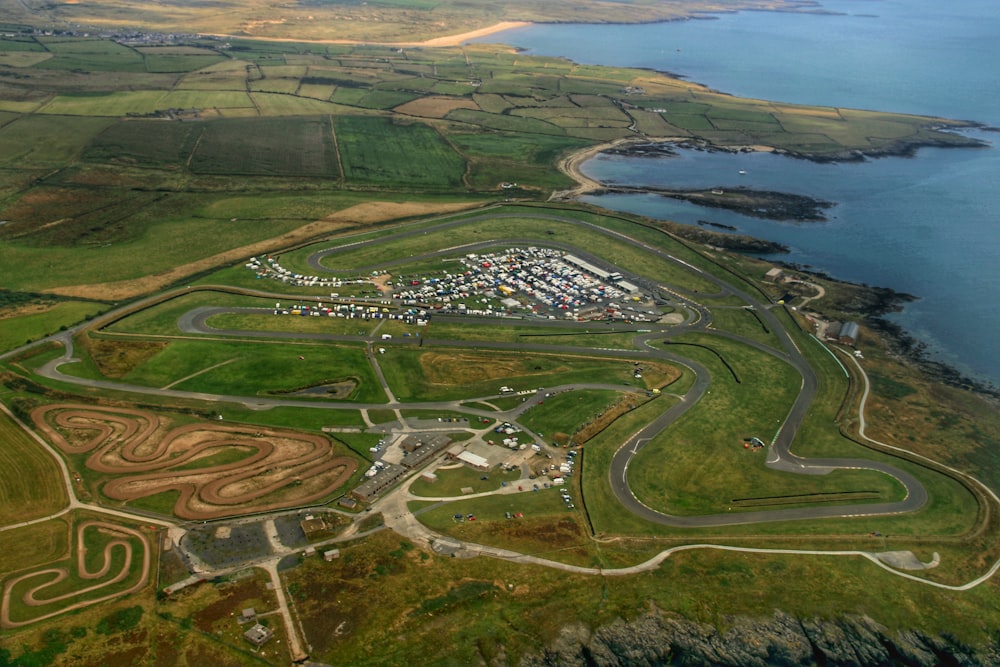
[773,275]
[312,525]
[248,615]
[848,334]
[331,554]
[258,635]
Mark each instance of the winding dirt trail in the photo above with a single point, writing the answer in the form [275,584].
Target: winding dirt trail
[34,595]
[280,469]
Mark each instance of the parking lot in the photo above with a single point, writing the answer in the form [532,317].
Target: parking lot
[532,281]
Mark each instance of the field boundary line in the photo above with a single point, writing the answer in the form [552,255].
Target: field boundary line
[336,148]
[197,373]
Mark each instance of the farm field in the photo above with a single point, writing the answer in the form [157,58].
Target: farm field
[31,484]
[265,143]
[684,422]
[375,151]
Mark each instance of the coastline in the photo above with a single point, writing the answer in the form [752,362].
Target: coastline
[884,300]
[763,204]
[447,40]
[570,164]
[456,40]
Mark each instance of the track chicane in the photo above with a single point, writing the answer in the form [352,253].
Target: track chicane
[109,561]
[147,457]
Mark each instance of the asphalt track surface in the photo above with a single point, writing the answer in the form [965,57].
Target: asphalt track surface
[649,345]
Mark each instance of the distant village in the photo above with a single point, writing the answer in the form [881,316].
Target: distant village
[126,37]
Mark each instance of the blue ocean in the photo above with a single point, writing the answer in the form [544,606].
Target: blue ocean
[927,225]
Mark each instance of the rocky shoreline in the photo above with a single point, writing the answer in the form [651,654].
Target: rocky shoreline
[782,207]
[657,638]
[765,204]
[903,148]
[726,240]
[871,304]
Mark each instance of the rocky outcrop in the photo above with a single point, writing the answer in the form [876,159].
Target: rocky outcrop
[781,641]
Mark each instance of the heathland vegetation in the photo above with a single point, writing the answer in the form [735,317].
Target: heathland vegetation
[138,177]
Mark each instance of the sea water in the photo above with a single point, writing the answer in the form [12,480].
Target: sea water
[928,225]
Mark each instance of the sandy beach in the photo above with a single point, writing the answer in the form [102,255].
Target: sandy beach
[570,165]
[448,40]
[455,40]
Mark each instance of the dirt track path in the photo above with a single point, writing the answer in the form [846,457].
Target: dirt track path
[34,597]
[283,468]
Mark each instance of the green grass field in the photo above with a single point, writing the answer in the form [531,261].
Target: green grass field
[377,151]
[15,331]
[699,465]
[547,528]
[34,545]
[253,368]
[179,238]
[268,147]
[567,412]
[292,323]
[451,481]
[161,319]
[444,374]
[31,484]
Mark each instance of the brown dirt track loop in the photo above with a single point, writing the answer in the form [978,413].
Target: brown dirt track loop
[121,537]
[283,468]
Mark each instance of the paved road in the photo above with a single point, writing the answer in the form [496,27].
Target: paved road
[651,345]
[779,456]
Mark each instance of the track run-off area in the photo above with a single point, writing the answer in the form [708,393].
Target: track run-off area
[141,455]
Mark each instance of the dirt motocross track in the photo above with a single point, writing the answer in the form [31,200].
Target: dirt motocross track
[146,456]
[107,575]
